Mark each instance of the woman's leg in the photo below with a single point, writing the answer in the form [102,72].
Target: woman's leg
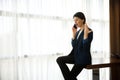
[75,71]
[64,68]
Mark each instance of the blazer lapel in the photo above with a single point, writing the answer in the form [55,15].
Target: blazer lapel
[81,35]
[77,34]
[80,38]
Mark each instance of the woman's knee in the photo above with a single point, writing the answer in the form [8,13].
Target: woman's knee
[58,59]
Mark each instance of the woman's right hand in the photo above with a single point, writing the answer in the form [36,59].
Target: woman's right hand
[74,32]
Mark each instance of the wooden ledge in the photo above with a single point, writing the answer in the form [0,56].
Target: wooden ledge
[101,65]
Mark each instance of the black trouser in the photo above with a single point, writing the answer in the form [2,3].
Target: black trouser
[67,74]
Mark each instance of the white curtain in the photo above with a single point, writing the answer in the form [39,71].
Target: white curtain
[33,33]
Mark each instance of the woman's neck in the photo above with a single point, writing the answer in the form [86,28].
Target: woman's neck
[82,27]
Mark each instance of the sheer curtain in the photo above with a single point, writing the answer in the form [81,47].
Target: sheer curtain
[33,33]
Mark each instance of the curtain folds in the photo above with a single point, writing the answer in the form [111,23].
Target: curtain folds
[34,32]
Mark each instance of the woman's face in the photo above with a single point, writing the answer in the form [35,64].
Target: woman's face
[78,21]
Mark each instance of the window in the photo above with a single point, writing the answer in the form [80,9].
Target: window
[31,28]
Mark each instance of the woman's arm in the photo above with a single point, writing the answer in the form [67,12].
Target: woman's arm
[86,31]
[88,35]
[74,31]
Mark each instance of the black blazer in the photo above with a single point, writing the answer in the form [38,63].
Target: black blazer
[81,48]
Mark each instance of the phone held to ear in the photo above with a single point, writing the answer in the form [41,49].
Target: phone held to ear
[75,26]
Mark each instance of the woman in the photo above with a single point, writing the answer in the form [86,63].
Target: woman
[80,55]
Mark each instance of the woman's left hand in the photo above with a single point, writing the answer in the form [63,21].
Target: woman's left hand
[86,31]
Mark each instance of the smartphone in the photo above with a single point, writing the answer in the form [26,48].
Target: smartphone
[75,26]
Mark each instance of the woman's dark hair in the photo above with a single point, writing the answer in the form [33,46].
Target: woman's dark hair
[81,16]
